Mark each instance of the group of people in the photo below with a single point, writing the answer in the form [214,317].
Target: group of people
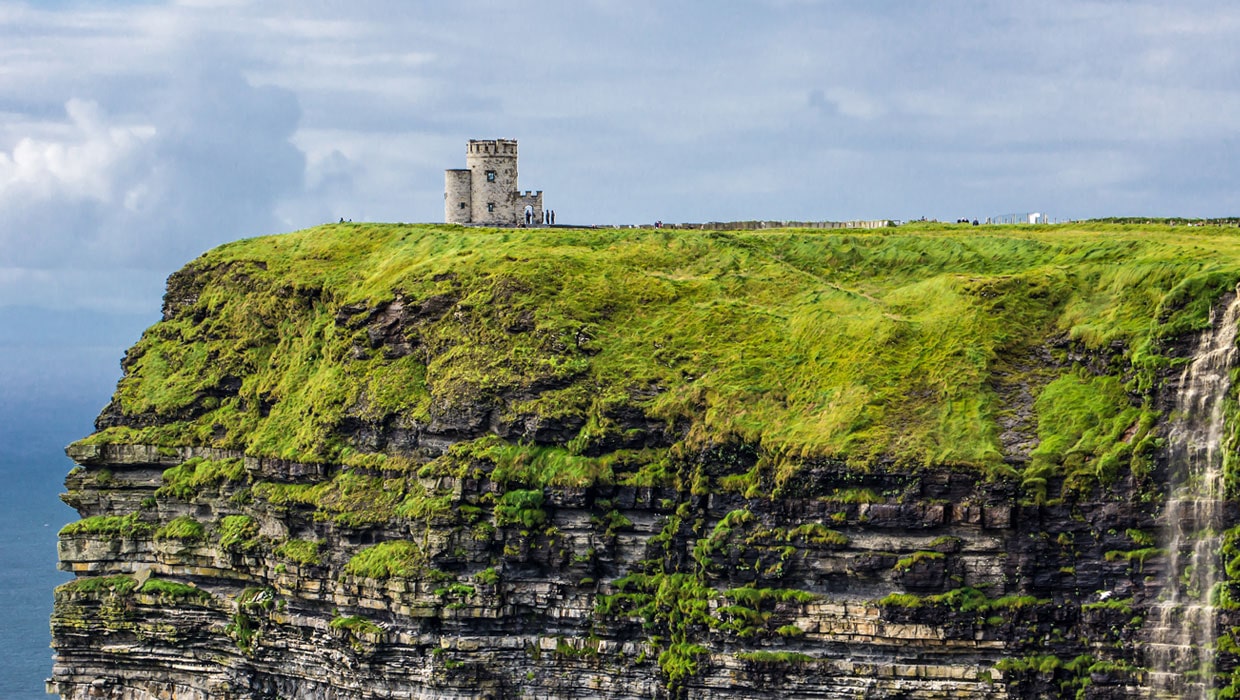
[548,216]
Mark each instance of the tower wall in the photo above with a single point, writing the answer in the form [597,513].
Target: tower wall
[457,200]
[493,180]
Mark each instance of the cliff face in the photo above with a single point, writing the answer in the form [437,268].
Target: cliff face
[420,462]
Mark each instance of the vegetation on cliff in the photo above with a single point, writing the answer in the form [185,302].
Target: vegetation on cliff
[919,346]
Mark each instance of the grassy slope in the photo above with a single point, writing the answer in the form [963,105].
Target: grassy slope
[892,344]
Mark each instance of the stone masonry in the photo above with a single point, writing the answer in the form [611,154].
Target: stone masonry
[485,191]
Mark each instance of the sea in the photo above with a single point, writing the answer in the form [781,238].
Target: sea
[32,470]
[57,371]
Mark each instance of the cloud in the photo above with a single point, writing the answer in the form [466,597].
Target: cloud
[76,169]
[222,158]
[849,103]
[98,191]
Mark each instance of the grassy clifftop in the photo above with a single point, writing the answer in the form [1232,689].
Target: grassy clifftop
[924,344]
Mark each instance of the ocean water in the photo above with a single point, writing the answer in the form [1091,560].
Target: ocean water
[57,370]
[32,469]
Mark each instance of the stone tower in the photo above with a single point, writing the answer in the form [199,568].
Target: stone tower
[485,192]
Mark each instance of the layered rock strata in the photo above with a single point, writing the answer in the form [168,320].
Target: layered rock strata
[792,593]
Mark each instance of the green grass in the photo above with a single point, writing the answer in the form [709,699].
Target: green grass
[965,600]
[774,657]
[172,591]
[755,597]
[679,662]
[1123,605]
[194,475]
[893,345]
[522,508]
[183,528]
[535,465]
[1082,421]
[1136,555]
[349,498]
[93,585]
[901,600]
[906,563]
[355,624]
[238,532]
[395,559]
[110,525]
[817,534]
[167,591]
[853,495]
[488,576]
[1074,675]
[304,552]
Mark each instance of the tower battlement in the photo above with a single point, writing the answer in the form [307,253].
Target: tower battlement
[486,192]
[492,147]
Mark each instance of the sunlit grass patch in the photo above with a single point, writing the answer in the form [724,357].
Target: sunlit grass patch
[901,346]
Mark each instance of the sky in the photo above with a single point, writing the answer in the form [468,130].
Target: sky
[136,135]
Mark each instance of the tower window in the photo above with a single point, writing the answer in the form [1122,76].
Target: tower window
[462,206]
[491,207]
[490,176]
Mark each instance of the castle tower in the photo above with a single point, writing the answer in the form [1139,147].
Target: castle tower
[493,169]
[457,200]
[485,192]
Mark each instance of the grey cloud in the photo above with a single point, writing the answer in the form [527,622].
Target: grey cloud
[209,165]
[221,159]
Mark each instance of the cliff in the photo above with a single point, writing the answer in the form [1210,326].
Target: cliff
[392,461]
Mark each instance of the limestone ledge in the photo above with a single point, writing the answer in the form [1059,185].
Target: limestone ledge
[136,455]
[537,628]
